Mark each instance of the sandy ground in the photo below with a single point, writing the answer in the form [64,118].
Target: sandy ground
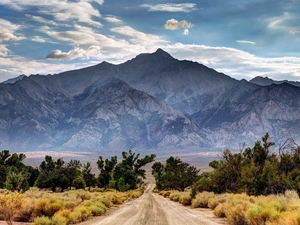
[153,209]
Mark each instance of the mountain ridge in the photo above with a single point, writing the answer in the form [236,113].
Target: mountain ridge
[152,101]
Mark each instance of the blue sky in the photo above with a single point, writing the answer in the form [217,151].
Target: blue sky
[242,38]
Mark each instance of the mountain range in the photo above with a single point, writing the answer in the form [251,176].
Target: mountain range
[151,102]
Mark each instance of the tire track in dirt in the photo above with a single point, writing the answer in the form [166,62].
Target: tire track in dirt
[152,209]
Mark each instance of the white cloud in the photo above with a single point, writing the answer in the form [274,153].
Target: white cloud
[173,24]
[41,20]
[117,48]
[61,10]
[233,62]
[186,31]
[92,51]
[113,19]
[138,37]
[236,63]
[7,31]
[42,40]
[171,7]
[3,50]
[246,42]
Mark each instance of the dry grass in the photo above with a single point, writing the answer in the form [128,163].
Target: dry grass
[69,207]
[241,209]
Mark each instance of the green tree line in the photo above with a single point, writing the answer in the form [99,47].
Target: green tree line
[57,174]
[255,171]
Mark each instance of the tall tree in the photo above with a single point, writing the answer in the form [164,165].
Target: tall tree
[175,174]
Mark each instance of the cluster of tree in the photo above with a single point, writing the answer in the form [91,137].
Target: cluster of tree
[56,174]
[124,175]
[255,170]
[174,174]
[14,174]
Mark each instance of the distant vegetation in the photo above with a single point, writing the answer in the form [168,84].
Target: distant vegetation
[254,186]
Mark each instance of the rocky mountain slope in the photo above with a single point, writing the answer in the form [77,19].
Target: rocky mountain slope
[150,102]
[265,81]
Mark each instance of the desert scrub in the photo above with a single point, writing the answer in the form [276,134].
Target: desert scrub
[174,196]
[201,199]
[11,203]
[59,220]
[185,198]
[42,220]
[84,212]
[68,207]
[165,193]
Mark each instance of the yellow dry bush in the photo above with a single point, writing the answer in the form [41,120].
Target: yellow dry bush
[83,195]
[74,217]
[165,193]
[10,205]
[59,220]
[174,196]
[287,218]
[25,214]
[70,205]
[185,198]
[65,213]
[219,211]
[52,207]
[108,203]
[201,200]
[85,213]
[115,198]
[40,207]
[235,211]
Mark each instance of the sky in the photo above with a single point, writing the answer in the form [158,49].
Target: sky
[241,38]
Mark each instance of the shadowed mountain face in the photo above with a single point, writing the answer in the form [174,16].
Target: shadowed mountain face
[150,102]
[265,81]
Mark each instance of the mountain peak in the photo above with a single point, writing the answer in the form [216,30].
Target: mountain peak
[161,52]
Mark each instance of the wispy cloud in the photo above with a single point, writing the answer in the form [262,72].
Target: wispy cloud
[287,23]
[236,63]
[3,50]
[8,30]
[138,37]
[246,42]
[113,19]
[171,7]
[40,19]
[81,11]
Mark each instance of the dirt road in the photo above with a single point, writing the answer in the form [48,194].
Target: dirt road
[152,209]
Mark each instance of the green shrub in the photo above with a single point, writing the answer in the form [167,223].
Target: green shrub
[105,201]
[97,210]
[59,220]
[85,213]
[42,220]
